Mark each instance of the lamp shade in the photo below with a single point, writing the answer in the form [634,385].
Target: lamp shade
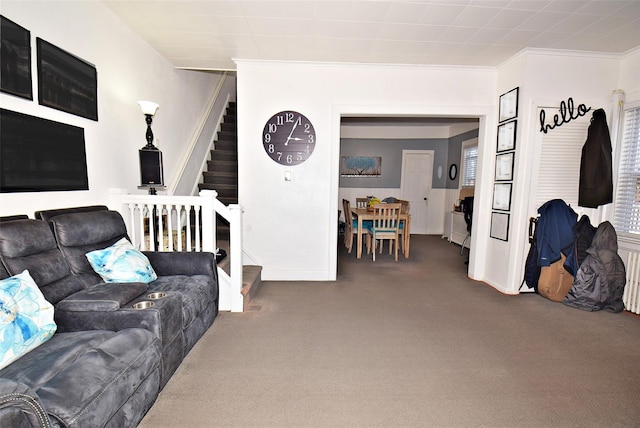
[148,107]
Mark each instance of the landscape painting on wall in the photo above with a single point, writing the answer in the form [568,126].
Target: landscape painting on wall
[360,166]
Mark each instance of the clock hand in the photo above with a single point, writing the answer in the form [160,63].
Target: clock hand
[295,125]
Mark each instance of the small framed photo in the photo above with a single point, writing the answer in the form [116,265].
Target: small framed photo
[508,108]
[15,78]
[504,167]
[499,226]
[506,136]
[502,196]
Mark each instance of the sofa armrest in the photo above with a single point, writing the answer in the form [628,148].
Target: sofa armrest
[20,407]
[183,263]
[163,319]
[102,297]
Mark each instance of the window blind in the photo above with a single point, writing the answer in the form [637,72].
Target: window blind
[558,169]
[627,201]
[470,165]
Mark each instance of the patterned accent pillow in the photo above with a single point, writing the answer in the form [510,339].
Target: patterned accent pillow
[26,318]
[122,263]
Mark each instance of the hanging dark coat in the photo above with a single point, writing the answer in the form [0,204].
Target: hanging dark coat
[600,281]
[596,177]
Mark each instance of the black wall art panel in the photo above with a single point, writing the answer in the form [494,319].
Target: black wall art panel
[40,155]
[66,82]
[15,63]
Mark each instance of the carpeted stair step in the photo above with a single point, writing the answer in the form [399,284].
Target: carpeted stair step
[251,280]
[230,146]
[220,177]
[222,166]
[227,136]
[229,125]
[224,155]
[224,199]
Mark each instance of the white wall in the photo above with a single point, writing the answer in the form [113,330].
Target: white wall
[545,79]
[128,70]
[290,227]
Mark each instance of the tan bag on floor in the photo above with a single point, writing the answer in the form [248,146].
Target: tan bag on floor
[555,282]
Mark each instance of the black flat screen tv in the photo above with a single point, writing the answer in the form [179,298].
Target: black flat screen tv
[40,155]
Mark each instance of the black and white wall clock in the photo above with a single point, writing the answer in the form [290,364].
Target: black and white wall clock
[289,138]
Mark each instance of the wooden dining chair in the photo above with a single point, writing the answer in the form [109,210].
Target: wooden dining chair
[386,224]
[362,202]
[351,227]
[404,237]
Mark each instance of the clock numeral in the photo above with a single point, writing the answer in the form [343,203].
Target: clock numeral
[289,158]
[279,154]
[272,128]
[271,148]
[307,128]
[279,120]
[267,138]
[307,150]
[289,117]
[299,156]
[311,139]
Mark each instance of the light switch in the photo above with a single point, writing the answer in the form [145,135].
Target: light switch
[287,176]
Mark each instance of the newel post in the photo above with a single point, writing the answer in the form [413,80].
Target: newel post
[208,220]
[236,262]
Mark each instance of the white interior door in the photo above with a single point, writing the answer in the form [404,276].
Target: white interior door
[417,173]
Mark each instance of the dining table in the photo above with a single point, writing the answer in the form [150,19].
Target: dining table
[364,214]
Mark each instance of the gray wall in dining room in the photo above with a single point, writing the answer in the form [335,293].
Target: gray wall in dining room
[455,155]
[446,152]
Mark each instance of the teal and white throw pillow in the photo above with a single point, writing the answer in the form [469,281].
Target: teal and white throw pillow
[121,262]
[26,318]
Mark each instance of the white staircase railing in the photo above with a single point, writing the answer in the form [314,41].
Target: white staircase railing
[187,223]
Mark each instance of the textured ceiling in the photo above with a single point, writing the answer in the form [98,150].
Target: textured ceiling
[209,34]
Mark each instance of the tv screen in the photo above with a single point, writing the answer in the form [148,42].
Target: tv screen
[39,155]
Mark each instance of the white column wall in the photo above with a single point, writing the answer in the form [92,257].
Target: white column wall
[290,226]
[545,79]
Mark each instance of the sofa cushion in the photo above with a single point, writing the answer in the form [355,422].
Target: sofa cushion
[85,378]
[121,263]
[26,318]
[30,245]
[79,233]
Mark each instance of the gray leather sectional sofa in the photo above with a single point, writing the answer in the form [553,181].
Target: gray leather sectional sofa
[108,360]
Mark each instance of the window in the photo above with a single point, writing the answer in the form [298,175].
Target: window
[469,164]
[627,201]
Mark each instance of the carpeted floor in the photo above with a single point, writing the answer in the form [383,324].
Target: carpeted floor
[407,344]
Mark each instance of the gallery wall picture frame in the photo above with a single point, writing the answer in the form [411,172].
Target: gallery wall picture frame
[66,82]
[502,196]
[361,166]
[504,167]
[499,226]
[15,78]
[507,136]
[508,105]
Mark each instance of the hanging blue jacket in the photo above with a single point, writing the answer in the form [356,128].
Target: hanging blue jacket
[554,231]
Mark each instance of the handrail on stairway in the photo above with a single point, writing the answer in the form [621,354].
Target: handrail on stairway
[186,223]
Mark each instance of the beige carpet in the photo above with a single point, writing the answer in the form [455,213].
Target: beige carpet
[407,344]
